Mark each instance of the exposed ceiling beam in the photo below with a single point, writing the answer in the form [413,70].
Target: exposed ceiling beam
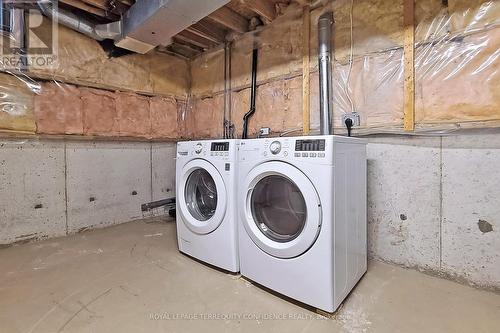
[185,44]
[127,2]
[230,19]
[102,4]
[186,50]
[176,53]
[194,39]
[264,8]
[208,31]
[113,6]
[85,7]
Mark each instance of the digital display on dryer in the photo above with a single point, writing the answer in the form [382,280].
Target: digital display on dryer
[310,145]
[220,146]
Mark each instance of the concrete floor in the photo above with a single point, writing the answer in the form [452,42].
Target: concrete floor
[131,278]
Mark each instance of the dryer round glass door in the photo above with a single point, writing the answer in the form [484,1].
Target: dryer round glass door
[281,212]
[278,208]
[202,197]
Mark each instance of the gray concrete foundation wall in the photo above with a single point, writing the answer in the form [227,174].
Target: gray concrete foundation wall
[434,205]
[53,188]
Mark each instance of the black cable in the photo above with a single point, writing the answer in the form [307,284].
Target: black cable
[349,123]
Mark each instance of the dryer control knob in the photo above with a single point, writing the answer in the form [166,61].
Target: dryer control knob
[198,148]
[275,147]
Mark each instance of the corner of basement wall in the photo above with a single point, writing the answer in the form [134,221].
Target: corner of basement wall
[95,140]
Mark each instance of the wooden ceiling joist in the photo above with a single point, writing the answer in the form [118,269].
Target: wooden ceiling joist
[195,39]
[186,50]
[209,31]
[230,19]
[176,49]
[264,8]
[108,9]
[102,4]
[87,8]
[184,44]
[127,2]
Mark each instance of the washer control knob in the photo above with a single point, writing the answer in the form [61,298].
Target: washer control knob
[275,147]
[198,148]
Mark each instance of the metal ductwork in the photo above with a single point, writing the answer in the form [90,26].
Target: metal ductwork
[146,25]
[325,24]
[98,32]
[155,22]
[17,40]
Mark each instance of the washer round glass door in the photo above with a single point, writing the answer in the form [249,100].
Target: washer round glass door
[202,197]
[282,211]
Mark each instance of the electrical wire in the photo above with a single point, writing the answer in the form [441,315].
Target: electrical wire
[292,130]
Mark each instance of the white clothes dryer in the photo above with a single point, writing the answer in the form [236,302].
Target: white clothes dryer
[302,212]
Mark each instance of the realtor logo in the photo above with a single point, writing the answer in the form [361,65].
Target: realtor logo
[29,39]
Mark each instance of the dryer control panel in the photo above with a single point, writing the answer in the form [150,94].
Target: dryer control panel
[284,147]
[310,145]
[220,150]
[308,149]
[276,147]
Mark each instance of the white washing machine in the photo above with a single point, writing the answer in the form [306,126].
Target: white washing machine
[206,206]
[302,210]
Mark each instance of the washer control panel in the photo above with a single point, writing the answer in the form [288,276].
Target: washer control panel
[220,146]
[219,149]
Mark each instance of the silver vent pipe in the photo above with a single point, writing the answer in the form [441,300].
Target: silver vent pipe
[98,32]
[325,24]
[17,37]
